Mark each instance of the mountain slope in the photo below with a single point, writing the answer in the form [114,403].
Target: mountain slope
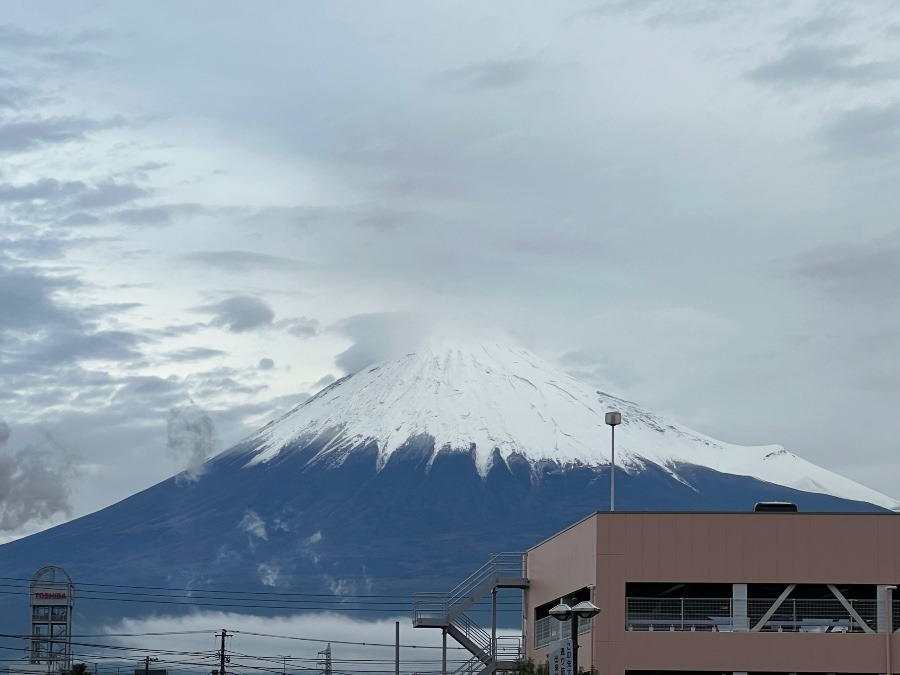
[403,478]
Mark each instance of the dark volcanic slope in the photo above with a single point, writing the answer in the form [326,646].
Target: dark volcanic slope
[347,529]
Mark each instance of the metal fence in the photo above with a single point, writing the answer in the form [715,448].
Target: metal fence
[692,614]
[827,615]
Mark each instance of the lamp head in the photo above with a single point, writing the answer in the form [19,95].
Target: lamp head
[586,609]
[561,612]
[613,418]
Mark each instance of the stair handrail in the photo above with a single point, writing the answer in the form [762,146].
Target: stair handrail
[473,665]
[474,632]
[497,563]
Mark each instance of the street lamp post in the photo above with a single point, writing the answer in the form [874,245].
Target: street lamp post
[613,419]
[888,625]
[581,610]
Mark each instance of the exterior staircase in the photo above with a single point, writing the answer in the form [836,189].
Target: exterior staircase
[447,611]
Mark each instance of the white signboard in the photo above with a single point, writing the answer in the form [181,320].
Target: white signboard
[560,656]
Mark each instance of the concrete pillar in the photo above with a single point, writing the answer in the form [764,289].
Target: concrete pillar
[881,609]
[739,621]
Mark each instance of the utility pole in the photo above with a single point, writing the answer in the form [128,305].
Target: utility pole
[325,662]
[222,658]
[147,660]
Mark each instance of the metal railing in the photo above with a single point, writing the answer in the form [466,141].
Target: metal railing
[692,614]
[821,615]
[439,605]
[474,632]
[509,648]
[548,629]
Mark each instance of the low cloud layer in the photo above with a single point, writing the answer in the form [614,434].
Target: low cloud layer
[302,636]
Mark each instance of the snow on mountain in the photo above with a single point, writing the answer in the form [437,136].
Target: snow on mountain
[491,398]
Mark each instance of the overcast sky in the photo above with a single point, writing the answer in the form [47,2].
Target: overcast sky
[220,207]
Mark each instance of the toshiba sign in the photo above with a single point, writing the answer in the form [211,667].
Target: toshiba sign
[50,596]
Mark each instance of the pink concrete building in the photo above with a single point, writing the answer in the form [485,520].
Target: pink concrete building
[722,592]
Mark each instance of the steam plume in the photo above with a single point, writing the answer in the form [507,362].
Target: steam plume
[191,440]
[34,481]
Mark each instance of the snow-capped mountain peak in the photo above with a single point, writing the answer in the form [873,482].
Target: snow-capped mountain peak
[493,397]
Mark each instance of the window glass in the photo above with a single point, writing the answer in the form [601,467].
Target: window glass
[40,629]
[60,613]
[60,630]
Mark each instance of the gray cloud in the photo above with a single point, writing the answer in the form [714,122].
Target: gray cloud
[378,337]
[266,364]
[27,297]
[302,327]
[865,131]
[28,134]
[860,272]
[488,75]
[656,13]
[323,382]
[12,97]
[815,65]
[241,261]
[240,314]
[191,439]
[194,354]
[15,38]
[827,24]
[80,345]
[158,215]
[108,194]
[44,188]
[34,481]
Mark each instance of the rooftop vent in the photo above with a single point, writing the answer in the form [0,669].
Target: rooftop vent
[775,507]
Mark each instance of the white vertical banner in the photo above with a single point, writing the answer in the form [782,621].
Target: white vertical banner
[560,656]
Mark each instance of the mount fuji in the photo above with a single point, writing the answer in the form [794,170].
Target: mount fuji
[403,477]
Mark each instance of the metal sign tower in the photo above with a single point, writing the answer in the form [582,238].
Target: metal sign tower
[52,600]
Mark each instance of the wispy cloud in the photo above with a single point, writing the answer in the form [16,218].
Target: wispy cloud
[242,261]
[490,75]
[865,132]
[818,65]
[27,134]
